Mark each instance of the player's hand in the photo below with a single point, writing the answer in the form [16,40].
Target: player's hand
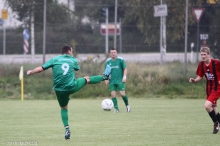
[106,82]
[124,79]
[29,72]
[192,80]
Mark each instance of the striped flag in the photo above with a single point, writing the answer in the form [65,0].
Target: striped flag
[26,38]
[26,46]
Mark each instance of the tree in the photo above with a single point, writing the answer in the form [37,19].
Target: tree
[149,25]
[23,8]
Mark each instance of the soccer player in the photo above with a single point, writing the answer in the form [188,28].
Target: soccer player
[210,68]
[65,82]
[117,79]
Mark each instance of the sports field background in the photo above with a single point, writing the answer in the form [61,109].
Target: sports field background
[152,122]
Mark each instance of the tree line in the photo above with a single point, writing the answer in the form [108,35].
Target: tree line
[80,26]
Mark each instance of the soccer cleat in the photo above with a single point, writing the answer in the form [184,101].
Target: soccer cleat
[116,111]
[216,128]
[128,108]
[107,72]
[67,134]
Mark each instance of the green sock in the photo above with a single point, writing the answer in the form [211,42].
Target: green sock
[125,98]
[64,116]
[95,79]
[114,100]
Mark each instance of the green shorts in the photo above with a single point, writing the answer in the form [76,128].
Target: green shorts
[117,87]
[63,96]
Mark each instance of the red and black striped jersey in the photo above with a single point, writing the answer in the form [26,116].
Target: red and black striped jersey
[212,75]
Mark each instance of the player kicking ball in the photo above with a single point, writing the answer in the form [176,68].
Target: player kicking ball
[65,82]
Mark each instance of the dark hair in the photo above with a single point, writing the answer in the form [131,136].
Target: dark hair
[65,49]
[113,48]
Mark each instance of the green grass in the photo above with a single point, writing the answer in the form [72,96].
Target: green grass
[152,122]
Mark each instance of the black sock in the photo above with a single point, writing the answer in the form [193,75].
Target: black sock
[218,117]
[213,116]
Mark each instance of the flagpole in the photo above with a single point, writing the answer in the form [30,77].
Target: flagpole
[22,89]
[21,77]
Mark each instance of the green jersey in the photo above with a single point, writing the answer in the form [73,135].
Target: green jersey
[63,67]
[118,65]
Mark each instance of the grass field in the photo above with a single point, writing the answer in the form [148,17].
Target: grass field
[152,122]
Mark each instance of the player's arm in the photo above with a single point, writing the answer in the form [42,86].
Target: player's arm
[124,67]
[76,65]
[193,80]
[124,75]
[36,70]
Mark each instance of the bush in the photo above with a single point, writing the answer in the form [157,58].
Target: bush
[143,80]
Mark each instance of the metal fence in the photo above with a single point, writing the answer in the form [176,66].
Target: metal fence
[139,32]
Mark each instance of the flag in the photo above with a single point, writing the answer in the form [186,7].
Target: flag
[21,77]
[21,74]
[26,38]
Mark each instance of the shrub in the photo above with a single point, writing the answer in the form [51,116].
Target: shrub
[143,80]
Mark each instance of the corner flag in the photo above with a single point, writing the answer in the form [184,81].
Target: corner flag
[21,74]
[21,77]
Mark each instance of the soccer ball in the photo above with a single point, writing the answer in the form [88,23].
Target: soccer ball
[107,104]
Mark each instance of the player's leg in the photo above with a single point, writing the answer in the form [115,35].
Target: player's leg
[107,72]
[114,100]
[217,115]
[121,88]
[63,100]
[94,79]
[210,106]
[104,76]
[81,82]
[214,98]
[113,89]
[216,112]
